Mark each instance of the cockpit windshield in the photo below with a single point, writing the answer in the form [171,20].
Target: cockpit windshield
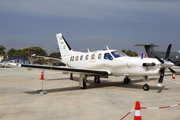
[117,54]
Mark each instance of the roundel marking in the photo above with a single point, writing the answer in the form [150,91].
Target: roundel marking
[77,57]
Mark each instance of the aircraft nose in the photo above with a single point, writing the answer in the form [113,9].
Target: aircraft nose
[167,64]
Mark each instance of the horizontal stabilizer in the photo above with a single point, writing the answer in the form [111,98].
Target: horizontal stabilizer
[142,45]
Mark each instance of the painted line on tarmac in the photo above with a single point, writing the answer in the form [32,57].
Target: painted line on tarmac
[10,81]
[164,101]
[172,81]
[15,81]
[68,116]
[124,107]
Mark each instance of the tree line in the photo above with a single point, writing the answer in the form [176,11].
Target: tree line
[39,51]
[26,52]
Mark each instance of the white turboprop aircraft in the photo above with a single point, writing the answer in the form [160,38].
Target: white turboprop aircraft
[104,63]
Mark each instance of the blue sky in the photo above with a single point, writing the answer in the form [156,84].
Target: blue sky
[93,24]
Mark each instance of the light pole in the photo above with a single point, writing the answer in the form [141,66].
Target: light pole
[48,53]
[5,51]
[29,53]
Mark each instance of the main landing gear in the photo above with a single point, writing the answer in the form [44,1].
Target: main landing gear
[126,80]
[82,81]
[97,79]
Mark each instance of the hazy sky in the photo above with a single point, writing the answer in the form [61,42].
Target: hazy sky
[93,24]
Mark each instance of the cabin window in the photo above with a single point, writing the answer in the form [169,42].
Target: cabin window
[108,56]
[93,57]
[81,58]
[99,56]
[87,56]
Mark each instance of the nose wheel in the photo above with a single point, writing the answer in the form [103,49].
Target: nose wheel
[146,87]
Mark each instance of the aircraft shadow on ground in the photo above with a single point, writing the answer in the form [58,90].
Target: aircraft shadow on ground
[57,79]
[104,83]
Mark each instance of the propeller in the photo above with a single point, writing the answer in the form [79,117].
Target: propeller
[167,57]
[165,64]
[168,51]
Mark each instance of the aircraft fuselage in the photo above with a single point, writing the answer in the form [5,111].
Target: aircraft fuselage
[117,66]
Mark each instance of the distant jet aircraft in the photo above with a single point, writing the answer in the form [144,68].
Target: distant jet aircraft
[173,57]
[104,63]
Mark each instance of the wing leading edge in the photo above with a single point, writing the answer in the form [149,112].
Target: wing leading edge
[73,70]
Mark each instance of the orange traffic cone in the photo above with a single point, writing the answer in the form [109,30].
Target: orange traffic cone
[137,115]
[173,76]
[42,74]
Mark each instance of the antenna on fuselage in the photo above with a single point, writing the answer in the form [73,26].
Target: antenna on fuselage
[107,47]
[88,50]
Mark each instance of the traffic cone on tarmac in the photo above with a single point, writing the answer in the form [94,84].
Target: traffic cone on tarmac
[42,75]
[173,76]
[137,115]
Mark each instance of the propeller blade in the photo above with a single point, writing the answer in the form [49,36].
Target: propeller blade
[168,51]
[160,60]
[161,77]
[172,70]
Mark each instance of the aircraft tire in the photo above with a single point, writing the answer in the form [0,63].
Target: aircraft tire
[95,78]
[126,80]
[98,79]
[84,84]
[146,87]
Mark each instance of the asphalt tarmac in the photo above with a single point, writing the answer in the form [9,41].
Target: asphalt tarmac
[108,100]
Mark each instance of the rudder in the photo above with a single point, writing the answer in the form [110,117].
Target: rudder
[64,47]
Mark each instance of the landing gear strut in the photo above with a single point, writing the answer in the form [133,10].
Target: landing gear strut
[126,80]
[146,86]
[82,81]
[97,79]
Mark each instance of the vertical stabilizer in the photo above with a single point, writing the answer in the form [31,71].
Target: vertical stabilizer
[64,47]
[149,49]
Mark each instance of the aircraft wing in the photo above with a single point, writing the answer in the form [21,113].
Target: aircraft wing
[63,69]
[46,57]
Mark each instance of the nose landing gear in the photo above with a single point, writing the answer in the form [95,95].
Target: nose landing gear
[146,87]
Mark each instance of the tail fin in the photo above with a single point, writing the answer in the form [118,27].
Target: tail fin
[64,47]
[149,49]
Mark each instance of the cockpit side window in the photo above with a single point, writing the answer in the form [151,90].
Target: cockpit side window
[116,54]
[108,56]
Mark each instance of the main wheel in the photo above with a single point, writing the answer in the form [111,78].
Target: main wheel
[84,84]
[146,87]
[95,78]
[126,80]
[98,79]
